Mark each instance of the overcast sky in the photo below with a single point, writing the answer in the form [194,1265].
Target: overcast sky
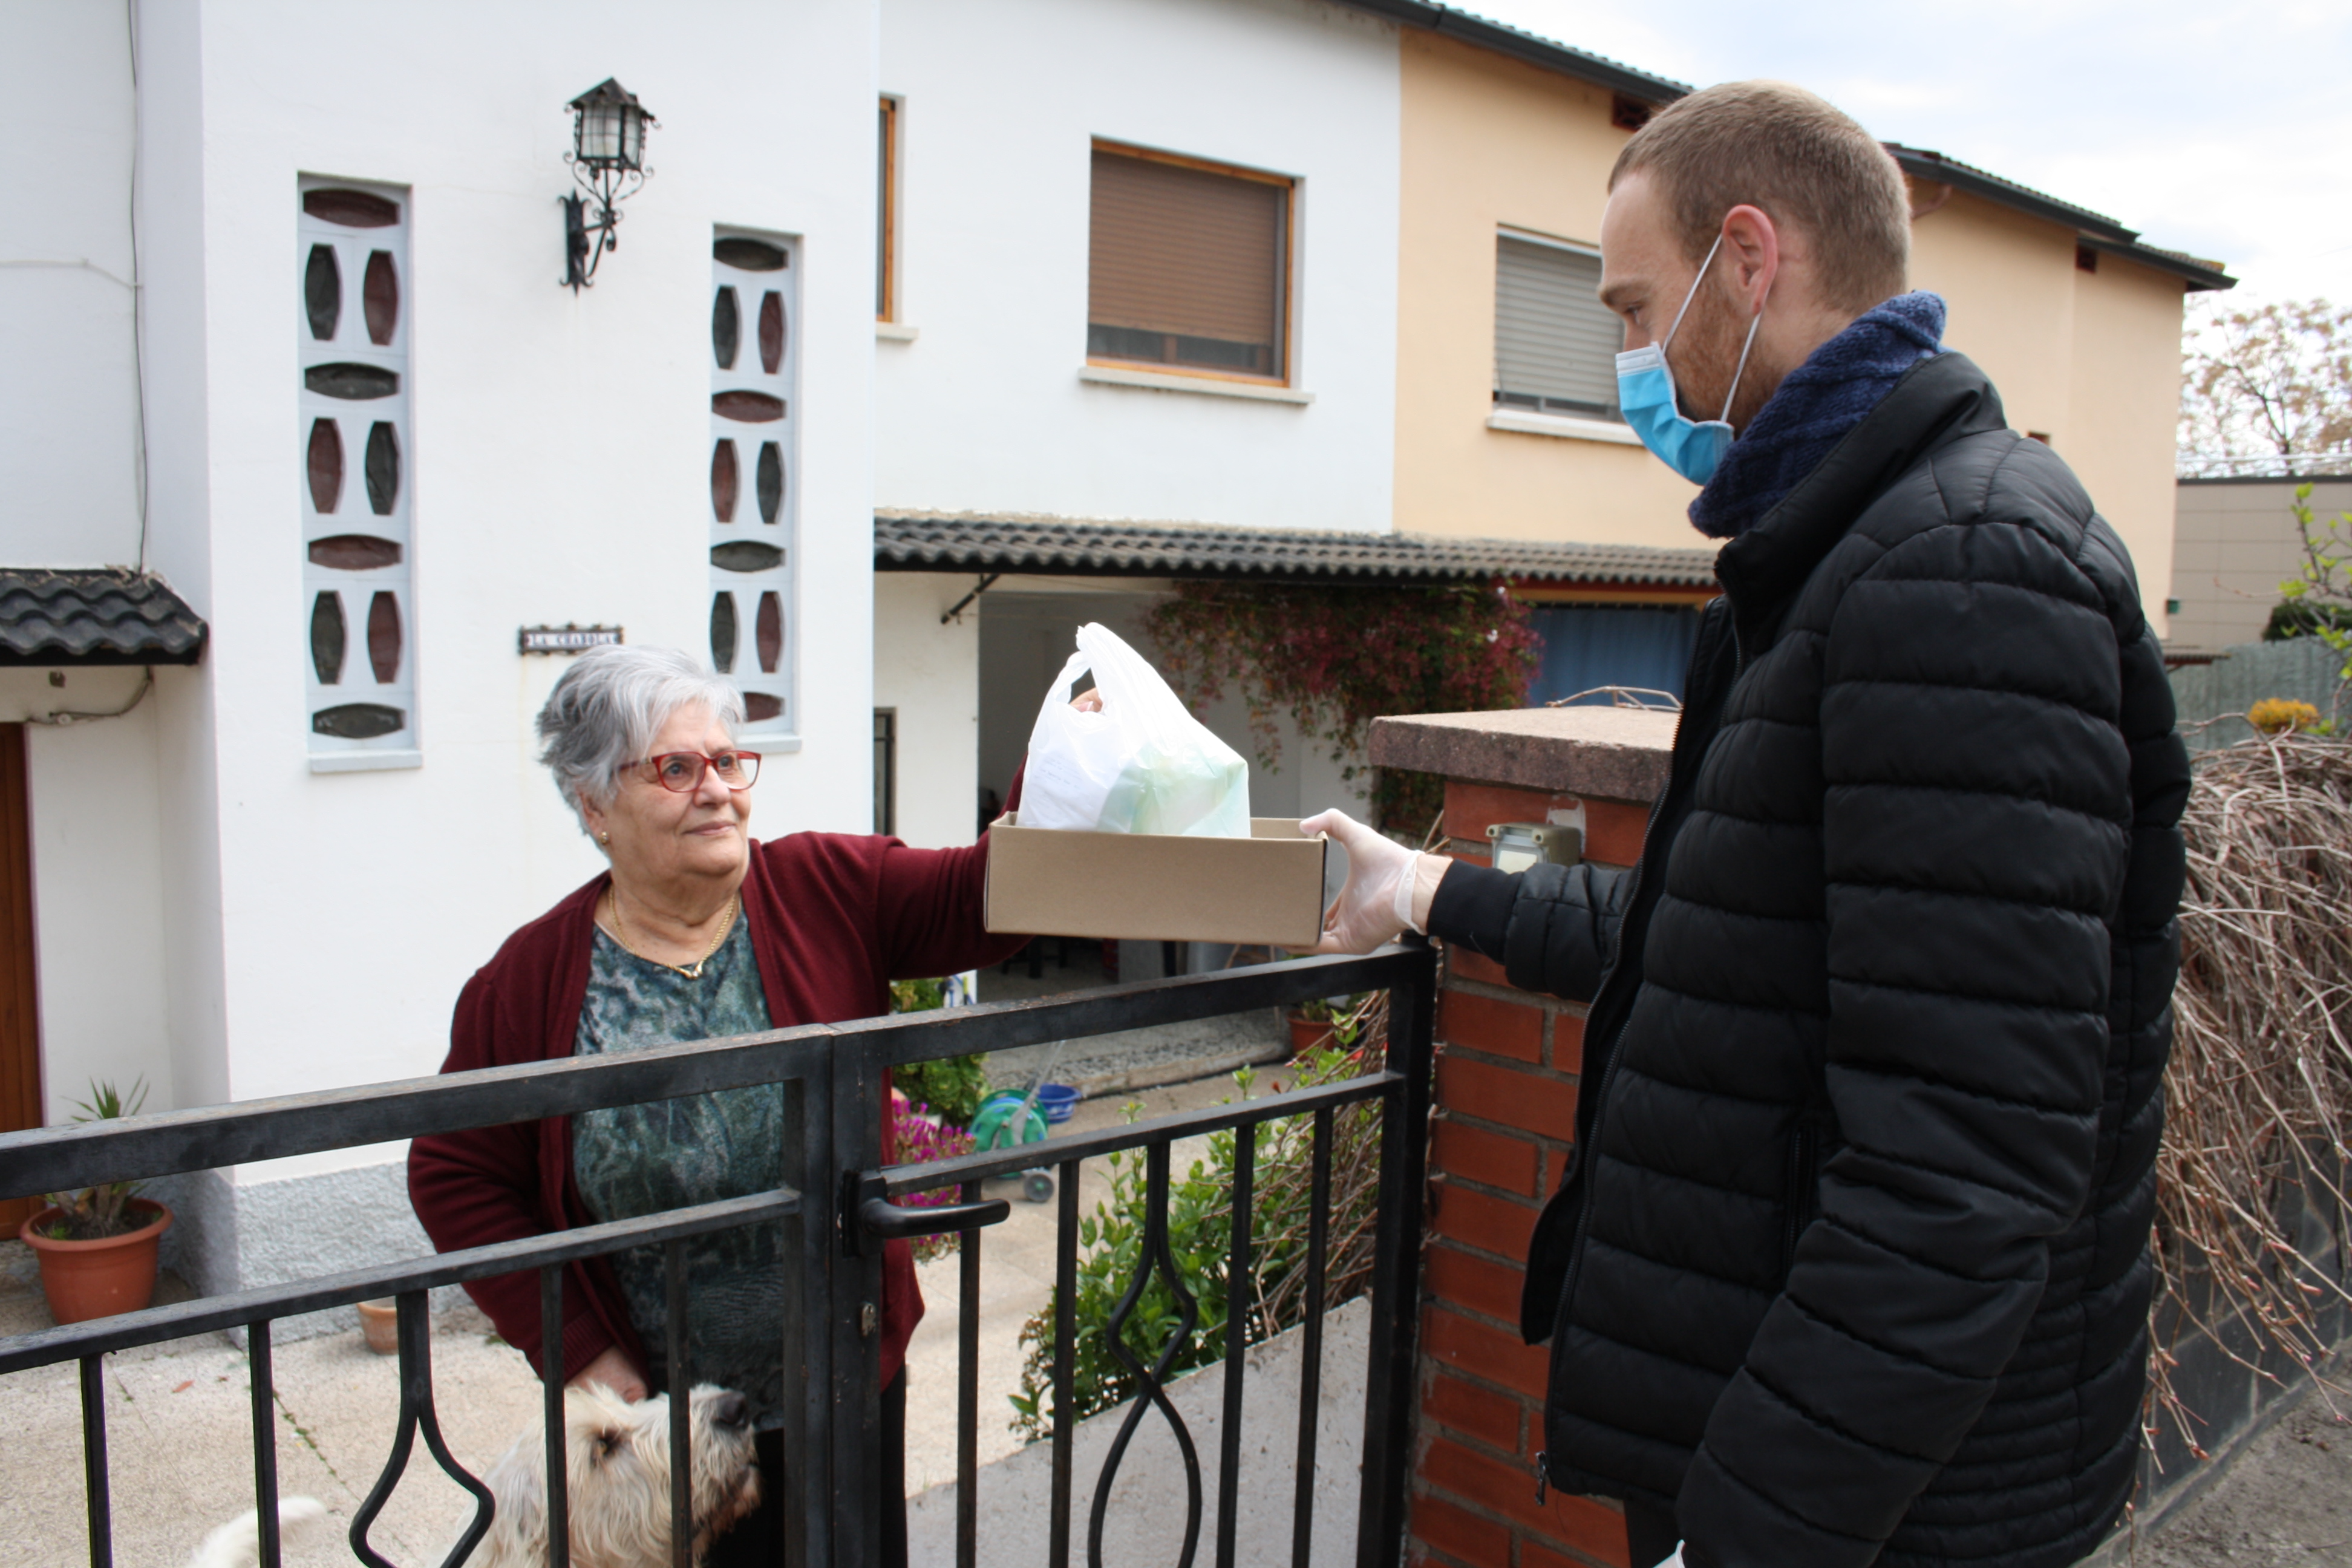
[2222,130]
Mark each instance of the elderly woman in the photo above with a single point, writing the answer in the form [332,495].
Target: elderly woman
[695,931]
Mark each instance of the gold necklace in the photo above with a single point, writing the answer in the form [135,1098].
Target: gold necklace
[691,970]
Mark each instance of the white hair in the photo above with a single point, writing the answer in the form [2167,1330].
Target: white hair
[605,711]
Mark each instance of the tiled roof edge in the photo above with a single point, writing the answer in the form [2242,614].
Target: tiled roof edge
[1531,48]
[914,541]
[95,615]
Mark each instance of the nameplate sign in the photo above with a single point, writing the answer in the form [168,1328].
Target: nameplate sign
[564,638]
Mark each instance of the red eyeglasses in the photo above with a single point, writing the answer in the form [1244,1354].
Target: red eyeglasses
[681,772]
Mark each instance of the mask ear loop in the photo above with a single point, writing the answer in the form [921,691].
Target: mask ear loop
[1756,321]
[1703,266]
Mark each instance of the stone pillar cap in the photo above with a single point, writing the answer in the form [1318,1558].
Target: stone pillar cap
[1615,753]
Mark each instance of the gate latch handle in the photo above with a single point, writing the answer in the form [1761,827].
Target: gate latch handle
[867,1212]
[897,1222]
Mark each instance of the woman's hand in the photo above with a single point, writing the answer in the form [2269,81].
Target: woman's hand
[611,1370]
[1089,701]
[1388,887]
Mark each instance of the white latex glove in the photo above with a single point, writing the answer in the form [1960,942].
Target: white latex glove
[1388,890]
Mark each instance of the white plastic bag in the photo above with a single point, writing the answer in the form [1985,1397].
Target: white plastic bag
[1141,764]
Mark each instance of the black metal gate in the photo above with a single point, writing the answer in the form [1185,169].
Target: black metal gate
[831,1212]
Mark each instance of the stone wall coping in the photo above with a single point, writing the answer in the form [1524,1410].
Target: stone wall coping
[1614,754]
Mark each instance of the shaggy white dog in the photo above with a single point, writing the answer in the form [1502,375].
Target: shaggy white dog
[238,1543]
[616,1466]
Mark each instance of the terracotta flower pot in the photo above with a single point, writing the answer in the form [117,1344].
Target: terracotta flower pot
[1306,1033]
[86,1280]
[379,1326]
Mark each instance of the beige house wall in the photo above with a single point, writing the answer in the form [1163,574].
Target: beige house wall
[2121,425]
[2234,543]
[2089,359]
[2008,281]
[1490,143]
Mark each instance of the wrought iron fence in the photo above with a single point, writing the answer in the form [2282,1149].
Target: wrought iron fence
[833,1079]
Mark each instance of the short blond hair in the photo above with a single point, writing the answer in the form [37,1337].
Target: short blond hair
[1797,156]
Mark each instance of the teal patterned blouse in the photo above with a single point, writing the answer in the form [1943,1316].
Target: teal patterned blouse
[636,1160]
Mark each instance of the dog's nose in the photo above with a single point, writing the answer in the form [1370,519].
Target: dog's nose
[732,1414]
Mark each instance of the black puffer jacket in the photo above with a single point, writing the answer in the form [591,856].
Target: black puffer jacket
[1853,1267]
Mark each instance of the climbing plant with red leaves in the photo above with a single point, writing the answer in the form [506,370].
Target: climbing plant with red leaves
[1335,659]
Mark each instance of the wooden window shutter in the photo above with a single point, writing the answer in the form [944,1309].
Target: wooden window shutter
[1188,265]
[1555,343]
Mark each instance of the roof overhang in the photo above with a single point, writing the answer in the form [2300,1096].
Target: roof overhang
[1064,547]
[1538,51]
[92,617]
[2096,230]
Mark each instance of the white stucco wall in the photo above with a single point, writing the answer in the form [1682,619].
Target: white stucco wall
[930,674]
[69,434]
[211,914]
[69,497]
[97,881]
[1002,104]
[560,468]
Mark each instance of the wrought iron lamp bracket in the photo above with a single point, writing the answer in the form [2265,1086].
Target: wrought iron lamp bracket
[585,243]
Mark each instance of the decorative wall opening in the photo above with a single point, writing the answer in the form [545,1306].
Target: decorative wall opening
[753,628]
[352,374]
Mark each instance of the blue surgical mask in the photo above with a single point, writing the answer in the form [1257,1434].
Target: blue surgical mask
[1645,396]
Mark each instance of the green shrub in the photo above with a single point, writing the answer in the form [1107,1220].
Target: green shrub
[1200,1230]
[952,1086]
[2298,618]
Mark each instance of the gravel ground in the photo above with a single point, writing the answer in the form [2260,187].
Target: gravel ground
[2286,1500]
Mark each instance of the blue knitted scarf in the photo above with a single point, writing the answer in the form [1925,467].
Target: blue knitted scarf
[1812,409]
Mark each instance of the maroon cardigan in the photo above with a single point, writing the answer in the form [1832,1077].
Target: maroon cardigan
[833,918]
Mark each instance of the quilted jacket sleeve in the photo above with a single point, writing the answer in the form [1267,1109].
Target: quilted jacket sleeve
[1552,928]
[1974,836]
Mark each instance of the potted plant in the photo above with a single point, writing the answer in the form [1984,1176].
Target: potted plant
[1326,1020]
[97,1247]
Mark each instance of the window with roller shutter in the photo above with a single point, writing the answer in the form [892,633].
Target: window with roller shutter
[1188,265]
[1555,343]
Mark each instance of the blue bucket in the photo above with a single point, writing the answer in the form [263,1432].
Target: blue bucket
[1056,1101]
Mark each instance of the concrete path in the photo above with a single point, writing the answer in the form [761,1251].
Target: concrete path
[1016,1280]
[1131,1059]
[180,1444]
[1144,1516]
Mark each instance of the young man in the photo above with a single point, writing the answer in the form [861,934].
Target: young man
[1852,1266]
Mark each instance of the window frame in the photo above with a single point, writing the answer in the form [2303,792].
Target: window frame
[1522,411]
[885,770]
[893,137]
[1286,299]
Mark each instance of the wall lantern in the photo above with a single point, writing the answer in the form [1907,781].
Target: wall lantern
[608,159]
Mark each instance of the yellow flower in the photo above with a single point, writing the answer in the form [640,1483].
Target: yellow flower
[2278,715]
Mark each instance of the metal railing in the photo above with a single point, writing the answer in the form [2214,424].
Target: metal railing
[830,1212]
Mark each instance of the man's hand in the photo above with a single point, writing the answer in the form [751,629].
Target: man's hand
[1388,887]
[611,1370]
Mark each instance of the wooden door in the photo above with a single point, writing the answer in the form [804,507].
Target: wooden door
[20,1015]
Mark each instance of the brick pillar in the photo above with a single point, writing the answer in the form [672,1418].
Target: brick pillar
[1508,1064]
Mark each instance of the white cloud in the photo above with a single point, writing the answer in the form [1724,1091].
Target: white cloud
[2220,130]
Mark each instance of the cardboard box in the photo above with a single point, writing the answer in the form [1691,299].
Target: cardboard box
[1267,888]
